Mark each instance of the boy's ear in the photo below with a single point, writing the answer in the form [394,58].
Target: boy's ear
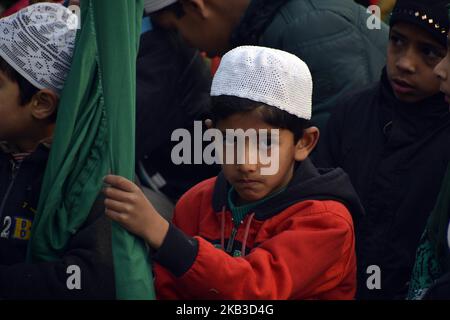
[199,6]
[307,143]
[44,104]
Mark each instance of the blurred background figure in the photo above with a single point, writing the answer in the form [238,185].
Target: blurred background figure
[332,37]
[173,84]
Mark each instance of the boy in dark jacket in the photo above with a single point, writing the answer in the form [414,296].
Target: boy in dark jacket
[278,229]
[332,37]
[36,47]
[392,139]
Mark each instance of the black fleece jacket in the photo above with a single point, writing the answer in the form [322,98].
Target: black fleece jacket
[90,248]
[396,155]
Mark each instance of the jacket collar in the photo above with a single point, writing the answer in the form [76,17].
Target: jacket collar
[16,155]
[415,118]
[9,149]
[304,171]
[307,183]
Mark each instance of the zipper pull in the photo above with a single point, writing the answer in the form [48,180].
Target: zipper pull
[231,240]
[15,169]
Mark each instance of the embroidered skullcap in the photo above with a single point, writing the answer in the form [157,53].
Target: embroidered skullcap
[38,42]
[270,76]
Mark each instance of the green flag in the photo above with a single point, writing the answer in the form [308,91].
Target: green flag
[94,136]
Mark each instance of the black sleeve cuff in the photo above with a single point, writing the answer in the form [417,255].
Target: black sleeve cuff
[178,252]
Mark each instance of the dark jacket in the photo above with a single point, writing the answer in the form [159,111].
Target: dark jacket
[396,155]
[173,84]
[331,36]
[297,245]
[440,289]
[433,254]
[90,248]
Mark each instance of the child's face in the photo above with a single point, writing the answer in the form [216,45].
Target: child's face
[246,178]
[14,118]
[442,70]
[412,56]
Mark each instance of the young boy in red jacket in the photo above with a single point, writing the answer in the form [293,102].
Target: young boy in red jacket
[250,233]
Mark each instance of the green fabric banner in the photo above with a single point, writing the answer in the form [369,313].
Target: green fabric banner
[94,136]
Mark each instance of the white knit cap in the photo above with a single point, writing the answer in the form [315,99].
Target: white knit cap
[38,42]
[155,5]
[273,77]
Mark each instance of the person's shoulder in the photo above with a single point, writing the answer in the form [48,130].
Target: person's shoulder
[316,20]
[351,12]
[196,202]
[307,12]
[357,99]
[338,210]
[198,192]
[325,213]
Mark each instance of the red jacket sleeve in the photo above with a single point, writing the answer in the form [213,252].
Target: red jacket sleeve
[307,256]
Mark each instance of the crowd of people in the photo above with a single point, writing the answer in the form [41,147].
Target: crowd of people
[358,118]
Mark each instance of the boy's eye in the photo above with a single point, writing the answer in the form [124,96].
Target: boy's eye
[432,53]
[396,41]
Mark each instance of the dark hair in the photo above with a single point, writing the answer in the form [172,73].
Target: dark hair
[226,106]
[26,89]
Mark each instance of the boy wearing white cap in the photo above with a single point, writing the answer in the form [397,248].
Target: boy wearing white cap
[245,234]
[36,47]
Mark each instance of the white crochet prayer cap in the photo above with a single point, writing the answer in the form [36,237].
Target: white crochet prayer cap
[38,42]
[155,5]
[273,77]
